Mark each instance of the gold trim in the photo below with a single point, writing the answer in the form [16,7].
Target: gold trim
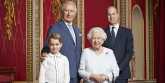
[36,39]
[123,12]
[151,42]
[56,9]
[80,18]
[29,45]
[9,18]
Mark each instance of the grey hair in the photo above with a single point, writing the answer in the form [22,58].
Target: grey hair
[98,30]
[68,2]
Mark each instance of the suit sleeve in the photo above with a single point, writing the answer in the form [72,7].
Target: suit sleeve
[106,43]
[80,48]
[129,51]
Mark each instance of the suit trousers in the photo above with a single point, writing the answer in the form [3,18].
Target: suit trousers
[121,81]
[74,80]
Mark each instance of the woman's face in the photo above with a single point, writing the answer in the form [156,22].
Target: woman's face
[97,40]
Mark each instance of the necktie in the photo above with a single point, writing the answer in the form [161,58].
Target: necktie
[72,33]
[112,35]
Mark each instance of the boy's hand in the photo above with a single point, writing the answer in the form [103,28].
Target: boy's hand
[43,56]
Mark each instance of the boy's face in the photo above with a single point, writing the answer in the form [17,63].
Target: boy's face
[54,45]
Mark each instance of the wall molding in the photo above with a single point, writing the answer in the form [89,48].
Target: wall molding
[29,39]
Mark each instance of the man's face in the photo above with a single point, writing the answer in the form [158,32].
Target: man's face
[69,12]
[113,16]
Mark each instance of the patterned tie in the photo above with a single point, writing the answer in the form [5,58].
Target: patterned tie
[112,36]
[70,27]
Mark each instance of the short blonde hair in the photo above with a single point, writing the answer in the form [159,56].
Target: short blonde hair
[98,30]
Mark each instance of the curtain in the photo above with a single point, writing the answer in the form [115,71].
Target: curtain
[160,41]
[13,36]
[51,14]
[95,15]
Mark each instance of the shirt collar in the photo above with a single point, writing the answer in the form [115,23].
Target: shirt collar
[55,55]
[67,24]
[115,25]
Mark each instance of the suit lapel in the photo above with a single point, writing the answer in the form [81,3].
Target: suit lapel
[67,32]
[76,34]
[108,33]
[118,36]
[109,36]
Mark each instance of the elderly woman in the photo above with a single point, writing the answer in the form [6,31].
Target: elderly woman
[98,64]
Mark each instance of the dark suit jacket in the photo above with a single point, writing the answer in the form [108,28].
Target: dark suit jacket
[123,49]
[69,49]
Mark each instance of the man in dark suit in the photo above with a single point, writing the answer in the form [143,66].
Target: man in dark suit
[120,40]
[71,38]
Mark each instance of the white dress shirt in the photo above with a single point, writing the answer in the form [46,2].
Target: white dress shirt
[116,27]
[54,69]
[71,30]
[104,63]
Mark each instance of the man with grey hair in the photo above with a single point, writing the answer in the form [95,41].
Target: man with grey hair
[71,38]
[120,40]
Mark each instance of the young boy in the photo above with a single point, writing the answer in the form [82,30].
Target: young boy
[55,67]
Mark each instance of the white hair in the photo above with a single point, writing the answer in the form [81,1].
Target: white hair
[98,30]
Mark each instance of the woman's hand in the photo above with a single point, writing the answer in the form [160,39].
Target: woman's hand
[98,78]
